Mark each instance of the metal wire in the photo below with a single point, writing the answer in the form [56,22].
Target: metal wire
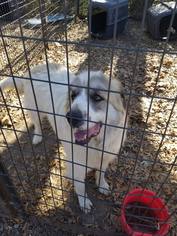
[37,41]
[69,93]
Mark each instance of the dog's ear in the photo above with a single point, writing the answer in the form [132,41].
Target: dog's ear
[117,96]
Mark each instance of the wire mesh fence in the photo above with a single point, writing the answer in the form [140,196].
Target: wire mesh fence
[91,121]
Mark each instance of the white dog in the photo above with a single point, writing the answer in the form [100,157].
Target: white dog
[74,105]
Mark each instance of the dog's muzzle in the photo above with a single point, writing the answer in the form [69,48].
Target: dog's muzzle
[82,137]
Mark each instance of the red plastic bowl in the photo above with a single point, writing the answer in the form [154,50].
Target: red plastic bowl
[149,199]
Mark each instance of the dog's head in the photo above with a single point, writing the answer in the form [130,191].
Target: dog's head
[94,104]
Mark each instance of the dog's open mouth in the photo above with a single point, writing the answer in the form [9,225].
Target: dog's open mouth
[82,137]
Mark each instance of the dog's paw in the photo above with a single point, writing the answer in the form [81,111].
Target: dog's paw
[85,205]
[37,139]
[104,189]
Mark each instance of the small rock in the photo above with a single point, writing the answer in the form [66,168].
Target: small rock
[145,163]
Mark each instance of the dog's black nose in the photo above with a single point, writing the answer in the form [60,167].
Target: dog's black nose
[75,118]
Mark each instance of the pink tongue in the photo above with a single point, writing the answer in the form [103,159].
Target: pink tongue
[82,134]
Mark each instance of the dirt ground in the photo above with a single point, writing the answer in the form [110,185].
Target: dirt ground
[148,158]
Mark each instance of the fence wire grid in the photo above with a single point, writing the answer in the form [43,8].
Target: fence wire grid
[35,192]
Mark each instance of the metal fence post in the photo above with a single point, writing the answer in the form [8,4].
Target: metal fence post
[42,10]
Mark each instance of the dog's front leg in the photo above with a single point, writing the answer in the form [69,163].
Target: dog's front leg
[77,173]
[84,201]
[100,179]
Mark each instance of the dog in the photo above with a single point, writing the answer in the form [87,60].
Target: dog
[78,109]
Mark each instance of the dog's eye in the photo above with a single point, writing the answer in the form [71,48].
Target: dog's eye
[97,98]
[73,95]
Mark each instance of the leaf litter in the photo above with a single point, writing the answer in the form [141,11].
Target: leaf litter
[148,158]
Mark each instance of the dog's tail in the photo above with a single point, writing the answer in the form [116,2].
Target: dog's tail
[9,83]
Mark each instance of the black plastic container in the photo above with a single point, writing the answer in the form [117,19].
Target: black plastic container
[158,20]
[103,13]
